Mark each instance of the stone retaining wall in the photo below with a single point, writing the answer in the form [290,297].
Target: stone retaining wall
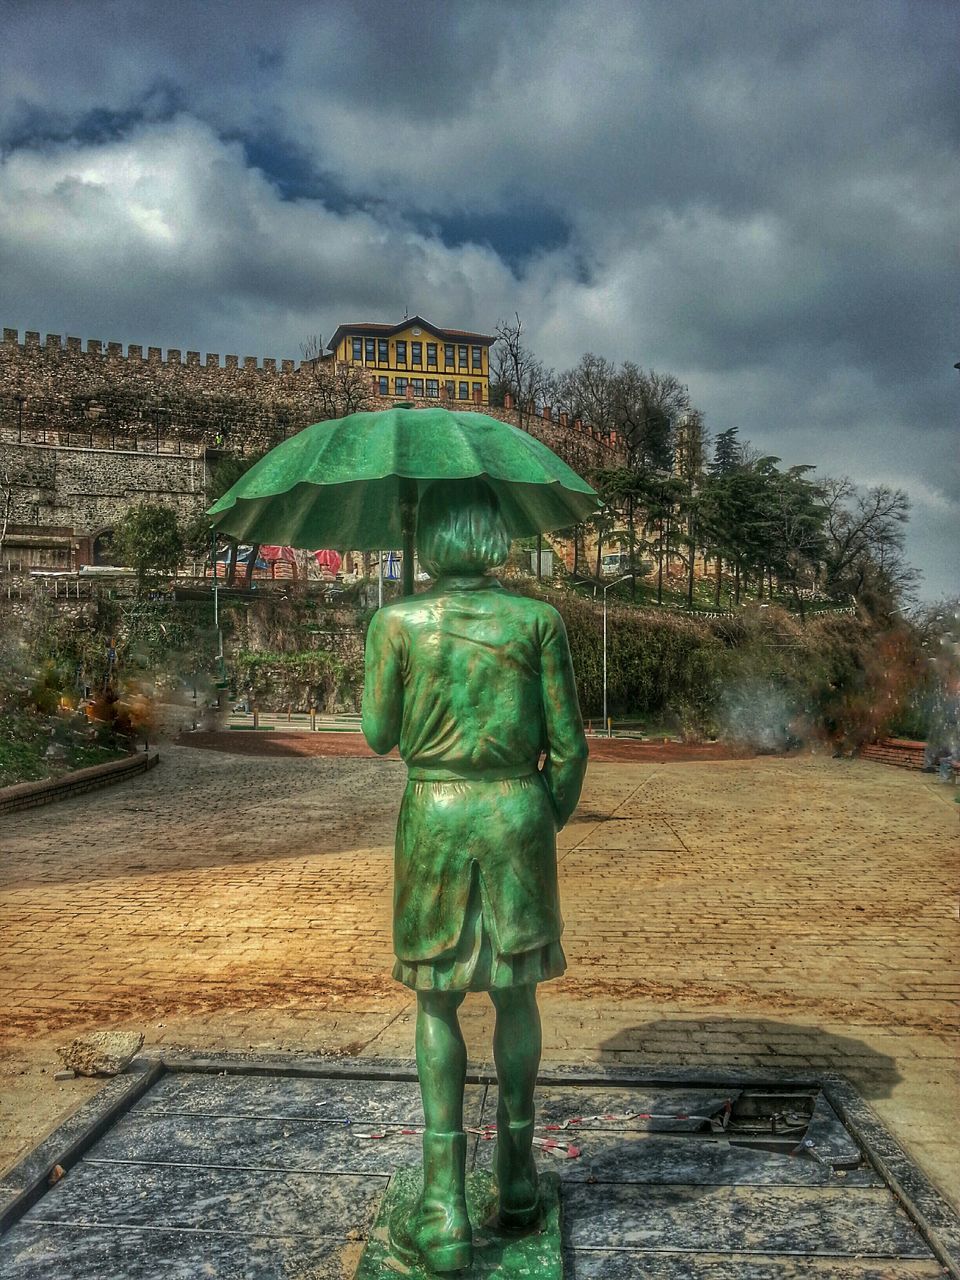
[86,490]
[29,795]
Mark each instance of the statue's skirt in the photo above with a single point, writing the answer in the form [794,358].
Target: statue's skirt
[476,905]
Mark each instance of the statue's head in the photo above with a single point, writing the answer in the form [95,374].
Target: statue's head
[460,528]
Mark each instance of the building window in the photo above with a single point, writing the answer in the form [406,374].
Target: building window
[401,386]
[401,353]
[370,348]
[463,357]
[476,357]
[357,346]
[433,388]
[416,354]
[464,391]
[383,351]
[448,360]
[450,389]
[431,355]
[478,391]
[384,386]
[416,387]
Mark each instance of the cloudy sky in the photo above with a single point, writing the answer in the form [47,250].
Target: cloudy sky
[760,196]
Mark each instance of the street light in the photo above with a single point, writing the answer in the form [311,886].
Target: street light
[616,582]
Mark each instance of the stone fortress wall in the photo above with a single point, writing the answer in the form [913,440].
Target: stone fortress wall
[87,430]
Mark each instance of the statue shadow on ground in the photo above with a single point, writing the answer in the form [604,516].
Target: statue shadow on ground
[761,1043]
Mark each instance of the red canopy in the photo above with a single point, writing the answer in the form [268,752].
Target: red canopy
[271,554]
[330,560]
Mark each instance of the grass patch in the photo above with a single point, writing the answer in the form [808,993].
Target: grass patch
[35,746]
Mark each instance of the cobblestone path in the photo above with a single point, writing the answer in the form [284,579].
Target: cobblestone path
[798,912]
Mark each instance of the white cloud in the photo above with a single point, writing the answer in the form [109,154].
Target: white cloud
[758,198]
[169,236]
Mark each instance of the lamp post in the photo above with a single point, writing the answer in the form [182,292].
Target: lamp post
[216,606]
[616,582]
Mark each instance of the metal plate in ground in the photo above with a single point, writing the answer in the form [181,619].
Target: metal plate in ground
[257,1173]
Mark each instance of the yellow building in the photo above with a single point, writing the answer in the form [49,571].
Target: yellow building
[414,360]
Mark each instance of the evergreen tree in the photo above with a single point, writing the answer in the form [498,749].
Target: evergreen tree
[727,453]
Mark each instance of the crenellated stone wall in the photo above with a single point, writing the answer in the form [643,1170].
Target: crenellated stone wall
[56,392]
[88,429]
[60,393]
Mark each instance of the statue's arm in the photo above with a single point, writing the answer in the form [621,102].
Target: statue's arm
[382,710]
[566,748]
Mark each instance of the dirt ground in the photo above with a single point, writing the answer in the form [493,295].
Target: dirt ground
[797,912]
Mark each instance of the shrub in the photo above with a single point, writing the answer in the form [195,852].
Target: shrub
[298,680]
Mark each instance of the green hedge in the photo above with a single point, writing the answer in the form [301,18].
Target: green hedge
[762,676]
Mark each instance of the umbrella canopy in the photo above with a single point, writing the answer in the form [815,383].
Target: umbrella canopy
[342,483]
[330,560]
[274,553]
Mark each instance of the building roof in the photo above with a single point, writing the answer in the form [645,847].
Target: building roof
[373,328]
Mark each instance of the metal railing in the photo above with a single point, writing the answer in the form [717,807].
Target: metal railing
[102,441]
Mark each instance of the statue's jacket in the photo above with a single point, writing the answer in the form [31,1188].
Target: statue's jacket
[476,687]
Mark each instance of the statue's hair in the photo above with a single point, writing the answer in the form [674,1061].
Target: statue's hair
[460,528]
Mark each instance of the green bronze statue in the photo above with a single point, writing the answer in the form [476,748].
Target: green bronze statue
[477,688]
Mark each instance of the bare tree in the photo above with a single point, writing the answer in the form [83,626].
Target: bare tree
[647,406]
[518,371]
[588,391]
[340,389]
[865,539]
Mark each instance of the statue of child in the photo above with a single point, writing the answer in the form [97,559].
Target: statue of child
[476,686]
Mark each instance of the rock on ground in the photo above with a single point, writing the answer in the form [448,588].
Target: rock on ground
[101,1053]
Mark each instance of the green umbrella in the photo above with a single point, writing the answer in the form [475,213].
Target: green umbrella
[354,483]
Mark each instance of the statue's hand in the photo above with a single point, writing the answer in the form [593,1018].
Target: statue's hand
[553,802]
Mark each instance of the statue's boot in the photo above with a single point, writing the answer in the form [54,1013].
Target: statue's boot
[517,1180]
[439,1232]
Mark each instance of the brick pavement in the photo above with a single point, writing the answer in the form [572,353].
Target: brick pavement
[797,912]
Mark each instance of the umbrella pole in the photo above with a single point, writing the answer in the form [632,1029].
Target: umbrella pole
[407,563]
[408,524]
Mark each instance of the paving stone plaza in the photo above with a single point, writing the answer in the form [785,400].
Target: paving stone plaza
[792,916]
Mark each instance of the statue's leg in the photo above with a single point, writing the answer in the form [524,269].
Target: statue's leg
[441,1233]
[441,1059]
[516,1051]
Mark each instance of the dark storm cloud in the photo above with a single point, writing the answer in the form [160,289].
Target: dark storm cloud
[760,197]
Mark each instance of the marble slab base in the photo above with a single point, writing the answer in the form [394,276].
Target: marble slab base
[537,1255]
[262,1170]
